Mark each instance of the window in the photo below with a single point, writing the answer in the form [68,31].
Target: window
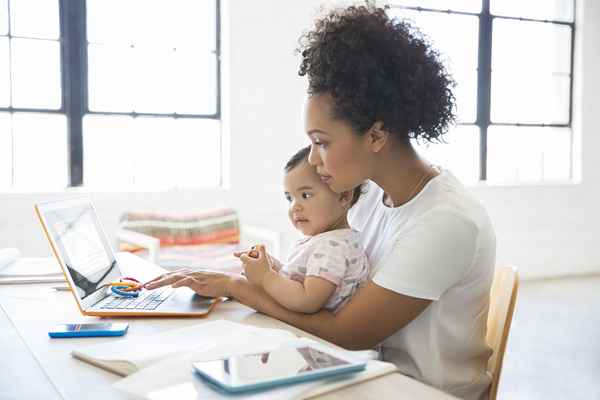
[110,94]
[513,64]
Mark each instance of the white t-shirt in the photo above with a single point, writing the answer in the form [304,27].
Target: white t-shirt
[439,246]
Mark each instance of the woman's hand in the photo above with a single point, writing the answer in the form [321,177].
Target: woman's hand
[205,283]
[255,268]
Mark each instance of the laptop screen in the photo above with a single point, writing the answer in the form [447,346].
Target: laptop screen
[83,247]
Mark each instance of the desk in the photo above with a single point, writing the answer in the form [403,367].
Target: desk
[34,366]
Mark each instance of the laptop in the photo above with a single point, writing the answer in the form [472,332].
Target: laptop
[84,253]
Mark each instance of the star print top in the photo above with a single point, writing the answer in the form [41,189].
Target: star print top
[336,256]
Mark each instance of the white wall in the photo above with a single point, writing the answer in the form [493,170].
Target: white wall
[545,230]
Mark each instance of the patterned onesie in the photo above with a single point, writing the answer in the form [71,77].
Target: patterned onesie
[336,256]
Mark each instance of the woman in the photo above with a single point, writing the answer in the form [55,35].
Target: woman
[374,84]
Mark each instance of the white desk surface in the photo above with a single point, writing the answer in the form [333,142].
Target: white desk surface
[33,366]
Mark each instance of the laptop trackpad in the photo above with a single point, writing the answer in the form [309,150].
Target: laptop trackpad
[185,299]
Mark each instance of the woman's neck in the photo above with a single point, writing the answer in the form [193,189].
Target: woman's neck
[340,223]
[401,174]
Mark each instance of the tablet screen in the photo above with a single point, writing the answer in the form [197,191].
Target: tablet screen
[281,364]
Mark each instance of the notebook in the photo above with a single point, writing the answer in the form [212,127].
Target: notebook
[173,378]
[89,264]
[19,270]
[166,372]
[131,354]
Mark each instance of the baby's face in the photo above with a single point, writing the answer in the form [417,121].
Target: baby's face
[313,207]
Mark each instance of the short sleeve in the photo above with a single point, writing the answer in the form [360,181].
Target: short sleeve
[327,260]
[430,257]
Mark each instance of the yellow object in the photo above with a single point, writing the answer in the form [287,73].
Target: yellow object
[128,284]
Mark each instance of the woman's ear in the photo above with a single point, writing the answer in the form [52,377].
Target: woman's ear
[377,137]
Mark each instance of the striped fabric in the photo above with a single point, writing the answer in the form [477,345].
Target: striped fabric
[215,226]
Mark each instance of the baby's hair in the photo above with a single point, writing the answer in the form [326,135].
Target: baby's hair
[302,155]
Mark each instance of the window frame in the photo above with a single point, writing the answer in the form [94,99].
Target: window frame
[74,84]
[484,75]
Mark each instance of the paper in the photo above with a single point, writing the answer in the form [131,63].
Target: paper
[8,256]
[32,270]
[132,354]
[174,377]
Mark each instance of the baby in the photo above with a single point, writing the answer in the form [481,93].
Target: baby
[325,268]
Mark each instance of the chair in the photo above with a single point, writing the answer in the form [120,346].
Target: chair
[202,239]
[503,297]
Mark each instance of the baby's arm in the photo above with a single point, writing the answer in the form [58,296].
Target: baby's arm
[274,263]
[306,297]
[309,297]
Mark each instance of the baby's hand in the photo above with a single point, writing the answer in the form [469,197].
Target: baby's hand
[253,252]
[256,265]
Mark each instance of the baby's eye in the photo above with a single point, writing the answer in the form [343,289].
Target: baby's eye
[306,195]
[288,198]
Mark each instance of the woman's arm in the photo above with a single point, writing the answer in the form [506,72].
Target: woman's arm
[307,297]
[373,314]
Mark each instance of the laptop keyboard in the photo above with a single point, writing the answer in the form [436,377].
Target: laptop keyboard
[148,300]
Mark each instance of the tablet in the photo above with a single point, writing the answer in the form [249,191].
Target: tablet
[281,366]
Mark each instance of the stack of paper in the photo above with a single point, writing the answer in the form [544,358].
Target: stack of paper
[165,372]
[15,269]
[134,353]
[174,378]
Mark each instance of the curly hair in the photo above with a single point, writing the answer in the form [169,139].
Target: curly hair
[302,155]
[378,69]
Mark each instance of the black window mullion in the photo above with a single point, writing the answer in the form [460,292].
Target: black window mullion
[73,42]
[572,66]
[484,83]
[218,46]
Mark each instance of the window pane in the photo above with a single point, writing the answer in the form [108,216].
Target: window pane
[110,86]
[542,99]
[151,152]
[40,151]
[5,151]
[170,24]
[3,17]
[152,79]
[174,80]
[531,64]
[558,10]
[176,153]
[36,73]
[456,37]
[195,82]
[4,73]
[109,149]
[35,18]
[524,154]
[109,21]
[455,5]
[460,153]
[194,23]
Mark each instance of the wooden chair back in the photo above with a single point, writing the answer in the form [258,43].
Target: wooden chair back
[503,297]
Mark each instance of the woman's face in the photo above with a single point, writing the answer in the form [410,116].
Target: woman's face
[340,155]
